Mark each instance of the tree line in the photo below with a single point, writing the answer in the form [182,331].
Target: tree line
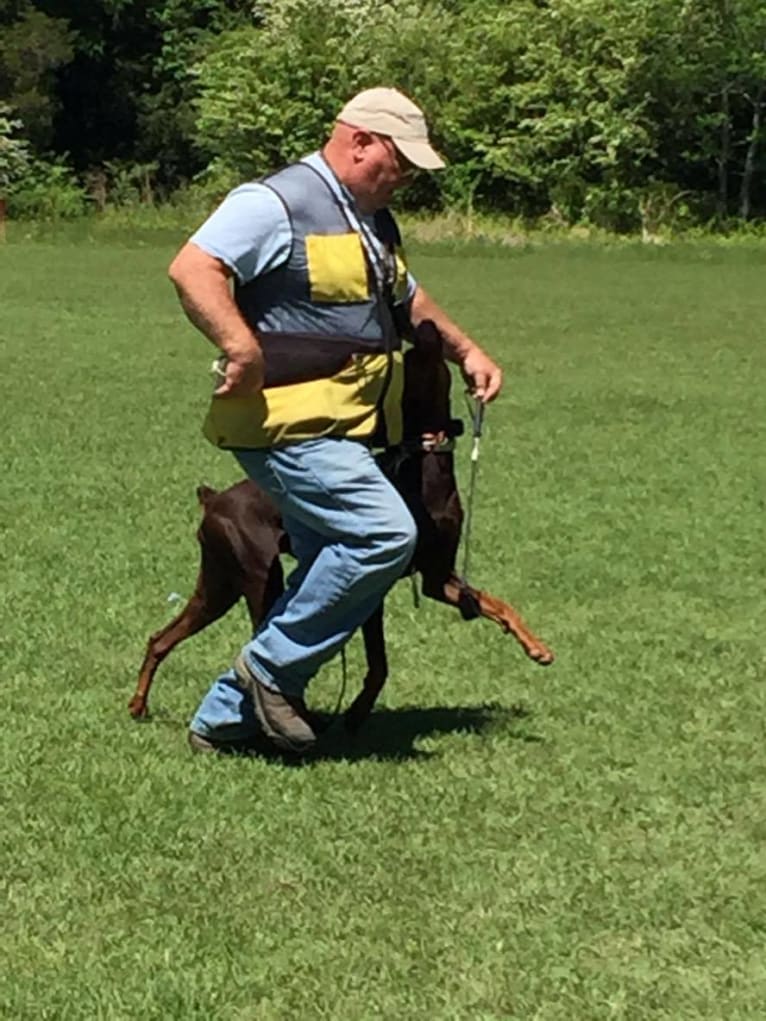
[621,113]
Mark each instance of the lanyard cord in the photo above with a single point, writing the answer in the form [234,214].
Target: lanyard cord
[383,268]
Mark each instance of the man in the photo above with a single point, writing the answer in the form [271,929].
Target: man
[309,378]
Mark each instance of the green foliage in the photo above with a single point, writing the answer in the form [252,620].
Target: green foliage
[130,184]
[165,113]
[535,107]
[269,93]
[187,26]
[575,110]
[33,47]
[581,127]
[48,190]
[14,151]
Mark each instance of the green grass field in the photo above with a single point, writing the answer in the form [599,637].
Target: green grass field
[503,842]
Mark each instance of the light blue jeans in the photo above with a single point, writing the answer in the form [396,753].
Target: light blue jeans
[352,536]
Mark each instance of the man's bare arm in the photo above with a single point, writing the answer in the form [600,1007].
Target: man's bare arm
[203,286]
[484,376]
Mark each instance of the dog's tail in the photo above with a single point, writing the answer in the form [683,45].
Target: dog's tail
[205,494]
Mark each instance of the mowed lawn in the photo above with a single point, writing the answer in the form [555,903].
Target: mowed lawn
[579,843]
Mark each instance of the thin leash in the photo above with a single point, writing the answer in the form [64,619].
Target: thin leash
[343,678]
[477,424]
[476,413]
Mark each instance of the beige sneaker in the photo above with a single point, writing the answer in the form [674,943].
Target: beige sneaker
[284,718]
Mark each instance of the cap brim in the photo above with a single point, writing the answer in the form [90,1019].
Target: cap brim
[420,154]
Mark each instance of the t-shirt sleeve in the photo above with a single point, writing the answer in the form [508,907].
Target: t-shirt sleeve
[411,287]
[250,232]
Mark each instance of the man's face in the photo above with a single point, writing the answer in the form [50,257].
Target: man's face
[382,169]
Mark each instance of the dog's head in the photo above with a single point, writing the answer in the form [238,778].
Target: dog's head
[426,398]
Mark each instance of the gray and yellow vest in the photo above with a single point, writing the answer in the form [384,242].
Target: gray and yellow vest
[332,351]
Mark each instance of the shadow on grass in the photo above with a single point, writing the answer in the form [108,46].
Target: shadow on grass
[392,734]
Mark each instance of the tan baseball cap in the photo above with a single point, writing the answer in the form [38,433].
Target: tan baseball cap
[389,112]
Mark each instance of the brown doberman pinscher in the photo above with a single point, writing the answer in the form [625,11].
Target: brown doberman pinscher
[241,538]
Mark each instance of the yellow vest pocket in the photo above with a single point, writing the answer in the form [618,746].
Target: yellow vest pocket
[337,268]
[342,405]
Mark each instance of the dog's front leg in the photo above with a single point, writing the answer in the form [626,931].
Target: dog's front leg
[377,672]
[457,593]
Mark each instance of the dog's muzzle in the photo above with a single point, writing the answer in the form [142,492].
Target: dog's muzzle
[442,442]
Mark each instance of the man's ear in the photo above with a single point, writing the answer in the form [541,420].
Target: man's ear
[361,140]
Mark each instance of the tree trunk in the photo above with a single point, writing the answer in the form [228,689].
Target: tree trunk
[752,151]
[723,154]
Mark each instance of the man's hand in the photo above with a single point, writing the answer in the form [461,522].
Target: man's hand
[483,376]
[240,377]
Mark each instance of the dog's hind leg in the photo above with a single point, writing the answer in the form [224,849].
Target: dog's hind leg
[213,596]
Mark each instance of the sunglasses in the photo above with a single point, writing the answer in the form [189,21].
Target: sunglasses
[404,165]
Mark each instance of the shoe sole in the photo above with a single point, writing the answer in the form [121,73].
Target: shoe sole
[204,746]
[200,745]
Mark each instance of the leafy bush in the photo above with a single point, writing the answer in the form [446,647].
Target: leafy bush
[49,190]
[269,94]
[14,151]
[522,98]
[130,184]
[612,207]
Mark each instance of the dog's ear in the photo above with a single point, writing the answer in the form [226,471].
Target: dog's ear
[428,340]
